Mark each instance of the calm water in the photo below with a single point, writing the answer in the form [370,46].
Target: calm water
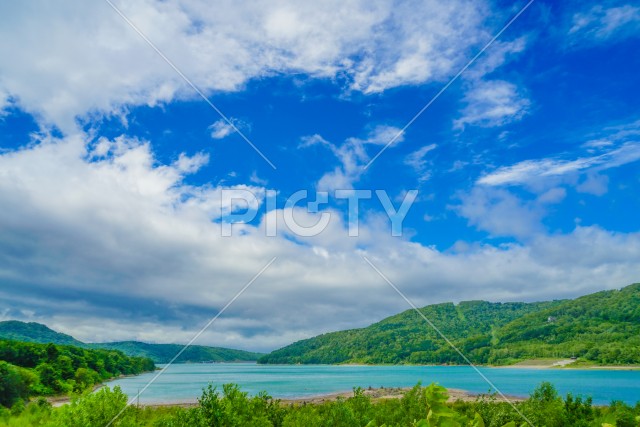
[184,383]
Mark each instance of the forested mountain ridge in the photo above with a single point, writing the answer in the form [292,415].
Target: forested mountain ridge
[35,332]
[159,353]
[406,338]
[603,328]
[163,353]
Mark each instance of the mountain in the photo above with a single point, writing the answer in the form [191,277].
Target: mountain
[159,353]
[603,328]
[163,353]
[35,332]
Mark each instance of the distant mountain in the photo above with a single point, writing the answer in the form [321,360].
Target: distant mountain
[35,332]
[603,328]
[163,353]
[159,353]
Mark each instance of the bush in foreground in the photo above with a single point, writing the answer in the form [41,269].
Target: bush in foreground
[419,407]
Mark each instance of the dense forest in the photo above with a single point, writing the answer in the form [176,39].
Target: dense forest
[419,407]
[32,369]
[35,332]
[159,353]
[602,328]
[163,353]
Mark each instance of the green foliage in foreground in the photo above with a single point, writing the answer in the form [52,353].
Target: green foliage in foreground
[31,369]
[419,407]
[603,328]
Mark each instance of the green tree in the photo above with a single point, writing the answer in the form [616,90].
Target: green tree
[15,384]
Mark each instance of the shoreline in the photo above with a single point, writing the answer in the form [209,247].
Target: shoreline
[376,394]
[525,364]
[63,399]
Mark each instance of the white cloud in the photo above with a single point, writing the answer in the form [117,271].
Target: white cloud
[532,171]
[500,53]
[492,103]
[71,59]
[602,23]
[221,129]
[5,102]
[352,155]
[553,195]
[418,162]
[501,213]
[596,184]
[188,165]
[255,179]
[101,241]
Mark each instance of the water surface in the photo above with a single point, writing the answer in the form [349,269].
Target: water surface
[184,382]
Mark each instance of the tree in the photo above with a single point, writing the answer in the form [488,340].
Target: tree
[15,384]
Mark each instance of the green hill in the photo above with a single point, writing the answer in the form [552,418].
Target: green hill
[163,353]
[602,327]
[159,353]
[35,332]
[35,369]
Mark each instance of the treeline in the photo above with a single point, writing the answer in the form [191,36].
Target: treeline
[602,328]
[31,369]
[164,353]
[419,407]
[160,353]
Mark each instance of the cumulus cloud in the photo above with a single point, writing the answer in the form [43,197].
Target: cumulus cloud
[78,57]
[352,155]
[100,240]
[500,213]
[222,128]
[492,103]
[602,23]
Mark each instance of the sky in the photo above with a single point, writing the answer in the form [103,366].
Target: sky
[133,134]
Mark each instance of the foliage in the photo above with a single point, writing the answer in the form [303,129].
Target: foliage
[603,328]
[163,353]
[95,409]
[419,407]
[15,384]
[159,353]
[28,369]
[35,332]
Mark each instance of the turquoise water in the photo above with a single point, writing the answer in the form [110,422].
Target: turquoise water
[184,383]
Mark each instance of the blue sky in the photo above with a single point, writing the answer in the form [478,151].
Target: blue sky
[114,168]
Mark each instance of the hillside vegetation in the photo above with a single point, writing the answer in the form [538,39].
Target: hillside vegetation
[602,328]
[163,353]
[420,406]
[35,332]
[32,369]
[159,353]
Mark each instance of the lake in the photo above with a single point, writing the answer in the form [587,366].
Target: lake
[184,382]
